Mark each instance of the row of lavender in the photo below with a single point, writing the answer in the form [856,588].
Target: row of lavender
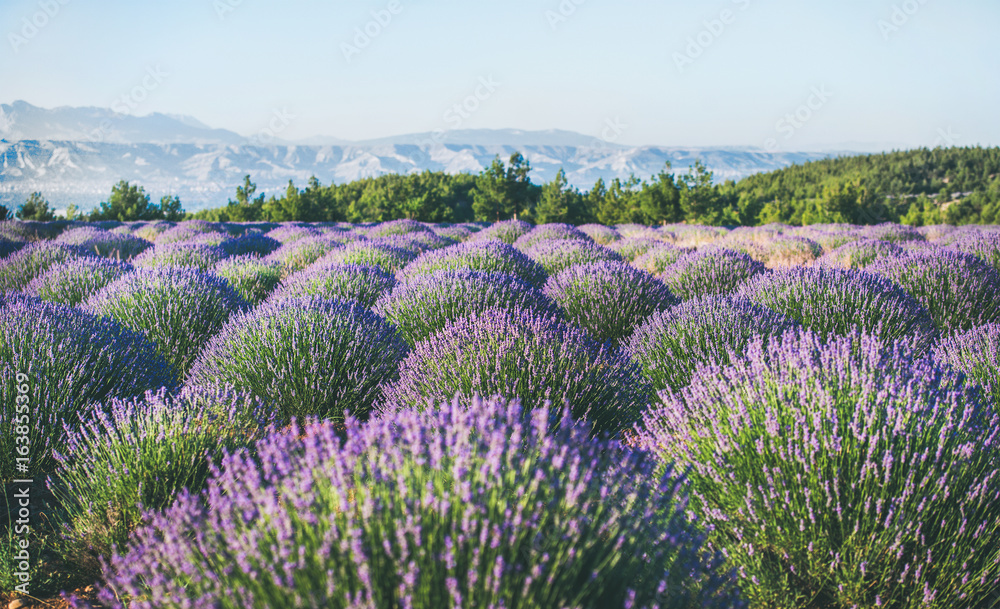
[810,381]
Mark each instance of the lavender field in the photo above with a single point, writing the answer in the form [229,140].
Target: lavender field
[483,415]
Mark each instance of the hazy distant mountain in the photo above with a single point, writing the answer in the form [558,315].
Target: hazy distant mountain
[56,152]
[23,121]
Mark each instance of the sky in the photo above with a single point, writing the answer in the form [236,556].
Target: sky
[782,75]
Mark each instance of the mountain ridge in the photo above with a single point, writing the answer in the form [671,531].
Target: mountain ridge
[77,154]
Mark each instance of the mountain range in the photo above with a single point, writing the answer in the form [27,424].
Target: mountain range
[75,155]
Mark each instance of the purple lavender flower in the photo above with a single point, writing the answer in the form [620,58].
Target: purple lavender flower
[556,255]
[710,272]
[75,280]
[425,304]
[18,269]
[310,357]
[363,284]
[960,291]
[672,344]
[832,301]
[179,309]
[851,452]
[201,257]
[507,231]
[487,256]
[531,357]
[608,299]
[545,232]
[476,500]
[71,359]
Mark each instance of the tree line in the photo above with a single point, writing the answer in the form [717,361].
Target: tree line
[916,187]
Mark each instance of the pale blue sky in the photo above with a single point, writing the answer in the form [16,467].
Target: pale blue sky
[932,78]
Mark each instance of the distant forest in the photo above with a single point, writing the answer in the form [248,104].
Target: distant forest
[916,187]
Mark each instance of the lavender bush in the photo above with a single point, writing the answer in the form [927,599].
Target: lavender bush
[608,299]
[658,258]
[960,291]
[894,233]
[527,356]
[290,233]
[425,304]
[363,284]
[983,245]
[671,345]
[397,227]
[631,248]
[184,231]
[363,253]
[253,278]
[70,359]
[976,353]
[467,505]
[456,233]
[838,301]
[18,269]
[179,309]
[9,246]
[854,473]
[710,272]
[300,253]
[310,357]
[599,233]
[546,232]
[200,256]
[75,280]
[137,454]
[556,255]
[507,231]
[487,256]
[859,254]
